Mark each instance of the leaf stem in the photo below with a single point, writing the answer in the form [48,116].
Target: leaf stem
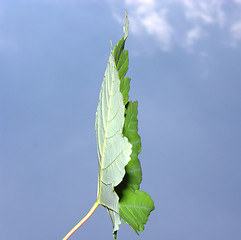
[82,221]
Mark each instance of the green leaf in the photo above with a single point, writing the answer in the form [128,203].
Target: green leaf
[122,63]
[135,205]
[133,175]
[113,148]
[124,88]
[121,59]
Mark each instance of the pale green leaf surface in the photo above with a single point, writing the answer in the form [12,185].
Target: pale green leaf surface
[113,149]
[126,27]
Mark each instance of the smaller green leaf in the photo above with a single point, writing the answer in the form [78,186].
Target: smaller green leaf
[124,88]
[135,207]
[118,50]
[123,63]
[133,175]
[131,126]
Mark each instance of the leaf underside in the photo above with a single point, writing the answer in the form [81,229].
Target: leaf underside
[113,148]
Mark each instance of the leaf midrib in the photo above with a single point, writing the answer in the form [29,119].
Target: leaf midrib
[103,147]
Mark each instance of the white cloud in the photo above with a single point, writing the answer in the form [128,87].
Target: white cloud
[146,17]
[157,26]
[196,11]
[206,12]
[183,22]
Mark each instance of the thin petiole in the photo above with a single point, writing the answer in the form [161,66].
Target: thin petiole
[82,221]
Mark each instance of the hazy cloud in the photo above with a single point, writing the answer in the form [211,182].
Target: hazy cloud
[206,12]
[193,35]
[161,20]
[147,17]
[157,26]
[236,30]
[237,1]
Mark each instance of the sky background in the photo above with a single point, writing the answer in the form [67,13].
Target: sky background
[185,68]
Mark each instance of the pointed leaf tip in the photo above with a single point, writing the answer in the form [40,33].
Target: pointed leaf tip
[111,45]
[126,27]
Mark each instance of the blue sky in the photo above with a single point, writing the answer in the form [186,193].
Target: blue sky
[185,68]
